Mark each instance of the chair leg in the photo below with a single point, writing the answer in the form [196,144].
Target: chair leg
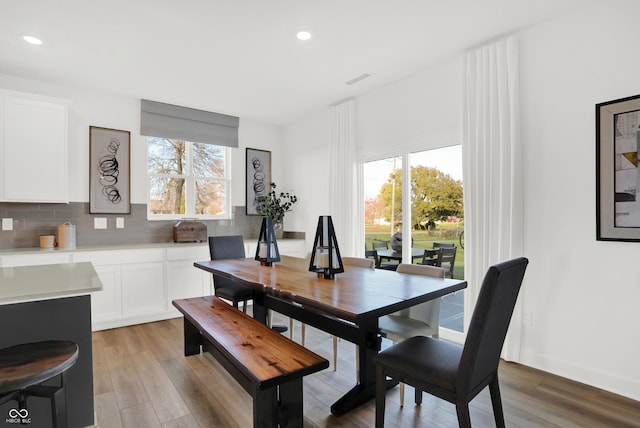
[335,353]
[401,394]
[302,333]
[418,398]
[464,418]
[291,328]
[59,408]
[381,392]
[244,306]
[498,415]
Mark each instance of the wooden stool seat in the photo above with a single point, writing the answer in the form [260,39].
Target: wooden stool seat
[23,368]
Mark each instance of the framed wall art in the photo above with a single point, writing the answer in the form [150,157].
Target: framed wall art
[258,176]
[617,170]
[109,171]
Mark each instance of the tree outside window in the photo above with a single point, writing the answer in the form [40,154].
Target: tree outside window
[187,179]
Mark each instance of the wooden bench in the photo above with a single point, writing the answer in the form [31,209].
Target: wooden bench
[266,364]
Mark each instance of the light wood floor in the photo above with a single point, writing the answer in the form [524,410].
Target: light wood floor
[143,380]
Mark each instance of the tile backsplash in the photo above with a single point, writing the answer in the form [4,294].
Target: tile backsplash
[32,220]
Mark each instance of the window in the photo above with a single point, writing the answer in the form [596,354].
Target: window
[187,180]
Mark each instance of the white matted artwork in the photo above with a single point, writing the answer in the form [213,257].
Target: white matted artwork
[258,176]
[109,171]
[618,170]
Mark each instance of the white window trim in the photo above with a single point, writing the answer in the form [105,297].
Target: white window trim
[190,203]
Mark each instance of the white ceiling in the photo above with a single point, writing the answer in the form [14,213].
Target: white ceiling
[241,57]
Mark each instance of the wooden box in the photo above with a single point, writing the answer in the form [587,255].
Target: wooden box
[189,231]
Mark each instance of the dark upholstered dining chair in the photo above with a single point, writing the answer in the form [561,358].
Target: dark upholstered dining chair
[422,319]
[229,247]
[452,372]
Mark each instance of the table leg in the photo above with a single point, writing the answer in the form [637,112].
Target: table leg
[265,408]
[369,343]
[259,308]
[192,339]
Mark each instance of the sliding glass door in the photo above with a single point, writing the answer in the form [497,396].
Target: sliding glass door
[435,213]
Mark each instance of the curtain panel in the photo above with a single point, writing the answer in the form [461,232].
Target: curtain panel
[492,170]
[343,188]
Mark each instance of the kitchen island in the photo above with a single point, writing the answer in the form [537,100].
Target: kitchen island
[52,302]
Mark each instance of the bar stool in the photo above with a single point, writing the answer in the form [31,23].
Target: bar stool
[23,369]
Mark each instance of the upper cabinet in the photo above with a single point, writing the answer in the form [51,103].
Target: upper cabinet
[33,148]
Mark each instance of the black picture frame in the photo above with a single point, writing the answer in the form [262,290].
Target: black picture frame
[258,177]
[618,170]
[109,171]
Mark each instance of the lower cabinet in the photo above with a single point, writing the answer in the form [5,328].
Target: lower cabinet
[142,289]
[106,305]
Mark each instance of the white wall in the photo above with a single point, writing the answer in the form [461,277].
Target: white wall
[306,165]
[580,295]
[90,108]
[420,112]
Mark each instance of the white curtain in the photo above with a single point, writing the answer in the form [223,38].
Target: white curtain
[492,170]
[343,184]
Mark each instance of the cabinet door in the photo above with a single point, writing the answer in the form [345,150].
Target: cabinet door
[34,150]
[184,281]
[143,289]
[106,305]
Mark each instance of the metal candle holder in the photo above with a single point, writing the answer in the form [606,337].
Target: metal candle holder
[325,257]
[267,251]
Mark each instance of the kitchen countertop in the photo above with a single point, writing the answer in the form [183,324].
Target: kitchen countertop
[42,282]
[37,250]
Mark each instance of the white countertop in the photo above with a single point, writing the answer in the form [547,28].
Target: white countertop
[41,282]
[36,250]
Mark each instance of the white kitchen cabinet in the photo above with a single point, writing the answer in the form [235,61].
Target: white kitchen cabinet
[142,289]
[183,279]
[33,148]
[133,286]
[106,305]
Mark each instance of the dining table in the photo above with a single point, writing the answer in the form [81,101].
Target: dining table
[347,306]
[391,254]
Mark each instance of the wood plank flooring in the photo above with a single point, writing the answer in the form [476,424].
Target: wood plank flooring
[143,380]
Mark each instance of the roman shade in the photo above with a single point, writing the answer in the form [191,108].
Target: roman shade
[183,123]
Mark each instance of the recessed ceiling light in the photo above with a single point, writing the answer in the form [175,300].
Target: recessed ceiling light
[32,40]
[303,35]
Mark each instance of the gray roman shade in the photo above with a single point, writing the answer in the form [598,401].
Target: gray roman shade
[182,123]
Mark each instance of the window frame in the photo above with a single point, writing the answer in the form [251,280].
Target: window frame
[190,180]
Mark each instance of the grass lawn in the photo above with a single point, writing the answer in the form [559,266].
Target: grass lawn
[421,239]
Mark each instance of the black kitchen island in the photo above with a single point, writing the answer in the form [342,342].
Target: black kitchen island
[52,302]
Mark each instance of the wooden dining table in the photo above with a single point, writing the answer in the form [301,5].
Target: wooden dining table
[347,306]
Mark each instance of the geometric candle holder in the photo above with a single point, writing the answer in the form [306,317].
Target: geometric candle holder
[267,250]
[325,256]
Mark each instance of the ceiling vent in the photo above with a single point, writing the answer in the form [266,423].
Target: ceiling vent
[358,78]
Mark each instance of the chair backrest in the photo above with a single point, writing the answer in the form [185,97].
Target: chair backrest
[490,322]
[432,257]
[425,270]
[428,312]
[443,245]
[357,261]
[448,258]
[225,247]
[373,255]
[380,245]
